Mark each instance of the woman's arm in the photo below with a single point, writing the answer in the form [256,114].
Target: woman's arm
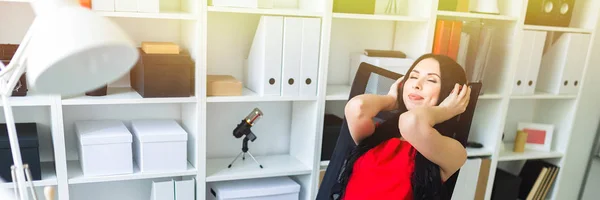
[360,111]
[416,126]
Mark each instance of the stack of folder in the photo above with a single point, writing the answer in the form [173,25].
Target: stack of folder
[284,57]
[537,177]
[468,43]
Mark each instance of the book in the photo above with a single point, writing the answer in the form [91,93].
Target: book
[384,53]
[537,177]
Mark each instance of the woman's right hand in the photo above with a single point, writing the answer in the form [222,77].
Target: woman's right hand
[394,94]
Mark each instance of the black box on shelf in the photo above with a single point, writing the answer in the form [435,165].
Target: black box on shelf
[163,75]
[506,185]
[331,131]
[29,145]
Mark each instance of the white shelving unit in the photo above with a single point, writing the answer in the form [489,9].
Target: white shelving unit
[289,135]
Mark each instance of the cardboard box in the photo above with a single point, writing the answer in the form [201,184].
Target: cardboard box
[163,75]
[223,85]
[160,48]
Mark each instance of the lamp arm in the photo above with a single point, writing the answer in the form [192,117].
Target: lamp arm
[8,79]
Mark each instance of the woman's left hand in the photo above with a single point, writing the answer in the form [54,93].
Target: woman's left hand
[456,103]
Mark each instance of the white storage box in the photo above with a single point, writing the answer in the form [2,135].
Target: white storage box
[277,188]
[159,145]
[104,147]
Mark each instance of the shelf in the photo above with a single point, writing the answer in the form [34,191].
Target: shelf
[76,174]
[543,95]
[324,164]
[21,1]
[474,152]
[277,165]
[31,100]
[337,92]
[509,155]
[122,95]
[163,15]
[250,96]
[48,176]
[260,11]
[468,15]
[557,29]
[379,17]
[490,96]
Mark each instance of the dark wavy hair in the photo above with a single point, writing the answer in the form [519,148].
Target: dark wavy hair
[426,178]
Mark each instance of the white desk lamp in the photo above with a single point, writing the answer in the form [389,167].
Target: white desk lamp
[67,50]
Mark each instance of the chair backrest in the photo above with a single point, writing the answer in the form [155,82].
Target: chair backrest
[344,144]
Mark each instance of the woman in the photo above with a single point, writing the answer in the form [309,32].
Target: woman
[410,156]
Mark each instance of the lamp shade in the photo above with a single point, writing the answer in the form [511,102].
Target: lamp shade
[74,50]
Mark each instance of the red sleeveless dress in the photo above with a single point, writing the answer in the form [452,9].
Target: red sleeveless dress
[383,172]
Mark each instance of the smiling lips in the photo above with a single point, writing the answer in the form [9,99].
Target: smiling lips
[415,97]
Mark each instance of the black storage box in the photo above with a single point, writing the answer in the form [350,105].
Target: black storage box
[28,142]
[506,186]
[331,131]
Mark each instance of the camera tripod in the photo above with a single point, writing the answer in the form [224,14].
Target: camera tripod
[244,152]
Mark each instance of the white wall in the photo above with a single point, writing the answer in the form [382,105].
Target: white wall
[584,130]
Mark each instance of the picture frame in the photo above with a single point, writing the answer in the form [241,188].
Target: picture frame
[539,136]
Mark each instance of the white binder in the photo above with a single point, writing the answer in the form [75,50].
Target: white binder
[535,59]
[562,64]
[466,183]
[148,6]
[580,43]
[164,190]
[184,189]
[292,49]
[529,61]
[103,5]
[309,67]
[126,5]
[263,72]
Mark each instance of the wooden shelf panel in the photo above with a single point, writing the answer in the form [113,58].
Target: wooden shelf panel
[31,100]
[543,95]
[162,15]
[276,165]
[260,11]
[122,95]
[21,1]
[379,17]
[250,96]
[557,29]
[509,155]
[474,152]
[76,174]
[48,176]
[468,15]
[338,92]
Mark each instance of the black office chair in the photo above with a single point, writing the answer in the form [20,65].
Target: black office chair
[345,144]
